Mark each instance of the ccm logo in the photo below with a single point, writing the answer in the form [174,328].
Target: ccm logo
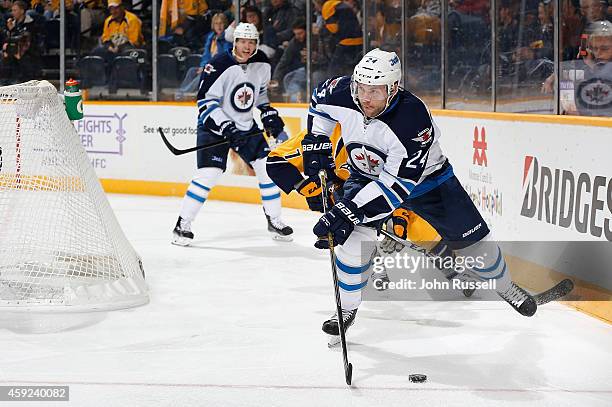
[317,146]
[350,215]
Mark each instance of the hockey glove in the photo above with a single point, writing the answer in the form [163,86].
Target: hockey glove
[340,221]
[398,225]
[271,121]
[232,134]
[317,155]
[310,188]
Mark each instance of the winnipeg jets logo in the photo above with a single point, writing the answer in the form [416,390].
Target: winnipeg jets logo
[243,97]
[365,160]
[424,136]
[371,163]
[595,93]
[598,94]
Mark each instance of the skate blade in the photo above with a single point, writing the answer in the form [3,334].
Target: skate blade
[281,238]
[333,341]
[181,241]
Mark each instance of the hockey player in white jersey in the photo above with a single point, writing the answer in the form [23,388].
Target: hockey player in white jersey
[395,160]
[231,85]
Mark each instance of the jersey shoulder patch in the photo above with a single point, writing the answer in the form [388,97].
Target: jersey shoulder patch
[219,63]
[410,120]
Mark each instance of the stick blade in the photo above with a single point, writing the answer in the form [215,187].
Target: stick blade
[349,374]
[555,293]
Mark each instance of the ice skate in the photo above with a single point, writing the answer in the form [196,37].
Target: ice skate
[331,327]
[279,230]
[182,235]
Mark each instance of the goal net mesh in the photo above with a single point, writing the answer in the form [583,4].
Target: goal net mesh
[60,243]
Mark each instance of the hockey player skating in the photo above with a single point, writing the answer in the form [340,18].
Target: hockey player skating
[395,159]
[285,166]
[231,85]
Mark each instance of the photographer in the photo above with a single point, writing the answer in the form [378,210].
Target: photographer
[21,62]
[20,53]
[20,22]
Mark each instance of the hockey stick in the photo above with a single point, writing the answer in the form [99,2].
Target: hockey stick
[348,368]
[417,249]
[559,290]
[177,151]
[555,292]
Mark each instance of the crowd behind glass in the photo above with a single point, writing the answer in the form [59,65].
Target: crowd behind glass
[108,45]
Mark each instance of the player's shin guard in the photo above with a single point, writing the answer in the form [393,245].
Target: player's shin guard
[492,266]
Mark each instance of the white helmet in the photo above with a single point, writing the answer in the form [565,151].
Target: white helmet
[248,31]
[378,67]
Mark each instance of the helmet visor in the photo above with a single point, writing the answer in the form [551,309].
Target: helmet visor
[372,92]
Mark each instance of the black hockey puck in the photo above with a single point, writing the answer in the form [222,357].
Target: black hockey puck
[417,378]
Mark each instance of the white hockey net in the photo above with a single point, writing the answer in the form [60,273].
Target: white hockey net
[60,244]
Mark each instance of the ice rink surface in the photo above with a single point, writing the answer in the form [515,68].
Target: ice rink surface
[235,321]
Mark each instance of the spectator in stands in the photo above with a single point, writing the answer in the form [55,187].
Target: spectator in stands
[507,28]
[194,19]
[341,22]
[593,10]
[52,11]
[277,23]
[20,22]
[222,6]
[532,57]
[192,8]
[20,52]
[570,30]
[92,17]
[591,91]
[5,7]
[423,26]
[37,6]
[185,18]
[122,31]
[253,15]
[468,25]
[291,69]
[215,41]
